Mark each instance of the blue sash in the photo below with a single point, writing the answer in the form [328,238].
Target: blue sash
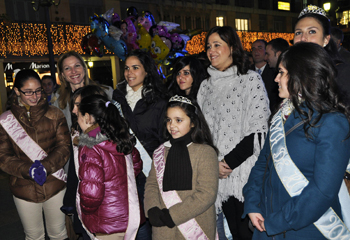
[329,224]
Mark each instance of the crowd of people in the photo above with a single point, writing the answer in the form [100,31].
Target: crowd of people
[227,149]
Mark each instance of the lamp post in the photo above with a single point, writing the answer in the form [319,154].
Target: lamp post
[47,4]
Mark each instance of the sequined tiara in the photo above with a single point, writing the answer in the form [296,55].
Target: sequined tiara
[312,9]
[182,99]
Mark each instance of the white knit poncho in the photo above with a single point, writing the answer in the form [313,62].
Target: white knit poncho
[234,107]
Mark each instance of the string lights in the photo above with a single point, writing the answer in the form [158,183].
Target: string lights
[30,39]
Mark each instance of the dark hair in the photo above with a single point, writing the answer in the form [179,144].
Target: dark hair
[261,40]
[312,74]
[53,80]
[20,78]
[278,45]
[229,35]
[201,132]
[331,47]
[198,73]
[84,92]
[337,33]
[111,123]
[153,87]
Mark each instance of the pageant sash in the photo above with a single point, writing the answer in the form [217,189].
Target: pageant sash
[134,206]
[146,159]
[25,142]
[190,229]
[329,224]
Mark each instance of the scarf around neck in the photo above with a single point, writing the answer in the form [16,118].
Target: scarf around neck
[178,168]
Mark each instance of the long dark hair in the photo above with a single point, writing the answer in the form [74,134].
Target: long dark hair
[153,87]
[229,35]
[111,123]
[312,75]
[20,78]
[198,73]
[201,132]
[331,47]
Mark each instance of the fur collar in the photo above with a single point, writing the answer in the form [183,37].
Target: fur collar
[90,142]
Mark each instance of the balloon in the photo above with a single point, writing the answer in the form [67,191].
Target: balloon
[177,41]
[167,42]
[146,20]
[108,15]
[132,12]
[115,32]
[95,45]
[116,20]
[118,47]
[129,33]
[169,25]
[158,49]
[143,39]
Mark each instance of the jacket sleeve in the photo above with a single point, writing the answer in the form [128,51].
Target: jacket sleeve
[9,162]
[137,162]
[91,187]
[330,160]
[152,193]
[252,190]
[205,193]
[60,154]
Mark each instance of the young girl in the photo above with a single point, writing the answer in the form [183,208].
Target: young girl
[183,182]
[107,201]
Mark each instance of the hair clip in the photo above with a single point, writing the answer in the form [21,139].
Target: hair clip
[107,103]
[312,9]
[182,99]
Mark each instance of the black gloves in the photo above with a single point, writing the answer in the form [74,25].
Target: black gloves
[160,218]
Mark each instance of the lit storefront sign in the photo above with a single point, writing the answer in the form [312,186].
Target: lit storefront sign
[284,6]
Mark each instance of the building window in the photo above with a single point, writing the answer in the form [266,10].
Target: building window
[242,24]
[344,18]
[244,3]
[198,22]
[220,21]
[188,23]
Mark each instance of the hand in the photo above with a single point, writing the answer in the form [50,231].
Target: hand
[38,172]
[224,170]
[257,221]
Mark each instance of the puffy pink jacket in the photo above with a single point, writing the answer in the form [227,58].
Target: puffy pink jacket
[103,184]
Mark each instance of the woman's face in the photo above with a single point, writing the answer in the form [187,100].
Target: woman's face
[282,80]
[218,52]
[76,105]
[31,87]
[184,79]
[134,73]
[309,29]
[48,86]
[73,71]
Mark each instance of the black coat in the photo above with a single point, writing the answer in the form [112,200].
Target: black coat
[147,119]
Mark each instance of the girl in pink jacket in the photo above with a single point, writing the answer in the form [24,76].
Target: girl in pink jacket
[107,200]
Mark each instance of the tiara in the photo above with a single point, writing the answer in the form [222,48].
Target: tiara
[182,99]
[312,9]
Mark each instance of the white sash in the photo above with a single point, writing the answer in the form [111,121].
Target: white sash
[133,200]
[34,152]
[190,229]
[329,224]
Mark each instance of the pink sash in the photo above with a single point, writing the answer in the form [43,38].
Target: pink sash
[190,229]
[25,142]
[133,199]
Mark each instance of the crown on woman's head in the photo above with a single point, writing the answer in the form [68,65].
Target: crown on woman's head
[182,99]
[313,10]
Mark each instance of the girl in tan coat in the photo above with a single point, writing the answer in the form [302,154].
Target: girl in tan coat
[182,185]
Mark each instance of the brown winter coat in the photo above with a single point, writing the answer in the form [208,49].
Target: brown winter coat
[47,126]
[197,203]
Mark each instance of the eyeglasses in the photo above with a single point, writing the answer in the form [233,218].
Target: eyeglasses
[31,93]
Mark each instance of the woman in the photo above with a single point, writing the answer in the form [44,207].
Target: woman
[311,128]
[34,146]
[142,98]
[73,74]
[235,105]
[314,26]
[187,76]
[49,86]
